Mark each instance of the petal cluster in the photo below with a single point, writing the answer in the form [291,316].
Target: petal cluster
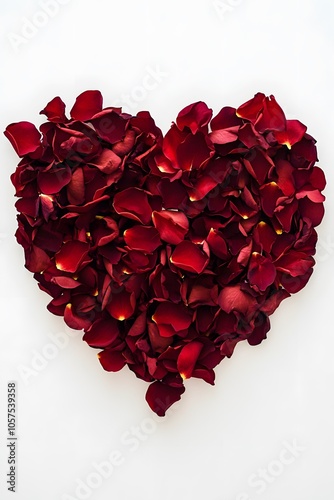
[167,250]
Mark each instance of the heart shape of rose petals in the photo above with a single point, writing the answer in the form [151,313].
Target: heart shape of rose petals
[167,250]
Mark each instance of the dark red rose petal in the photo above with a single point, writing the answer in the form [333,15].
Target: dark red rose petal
[195,116]
[112,361]
[102,333]
[161,396]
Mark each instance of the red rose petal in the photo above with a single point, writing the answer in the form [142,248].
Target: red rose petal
[87,105]
[293,133]
[232,298]
[144,238]
[122,305]
[112,361]
[24,137]
[71,255]
[53,180]
[188,357]
[161,396]
[251,109]
[55,111]
[261,271]
[175,315]
[172,226]
[195,116]
[272,116]
[133,203]
[102,333]
[73,320]
[190,257]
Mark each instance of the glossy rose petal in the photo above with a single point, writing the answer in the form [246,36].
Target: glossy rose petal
[102,333]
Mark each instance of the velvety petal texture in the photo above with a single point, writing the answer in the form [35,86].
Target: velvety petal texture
[167,250]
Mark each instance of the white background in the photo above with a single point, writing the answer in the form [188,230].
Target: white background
[72,414]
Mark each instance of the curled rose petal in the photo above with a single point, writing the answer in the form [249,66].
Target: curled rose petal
[195,116]
[55,111]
